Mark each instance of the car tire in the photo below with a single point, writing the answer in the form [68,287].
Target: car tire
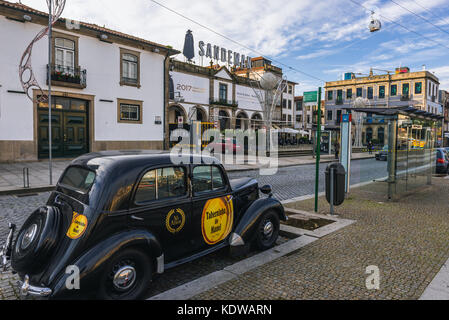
[267,230]
[126,277]
[36,240]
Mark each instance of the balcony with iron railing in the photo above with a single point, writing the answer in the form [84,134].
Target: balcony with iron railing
[405,97]
[64,76]
[224,102]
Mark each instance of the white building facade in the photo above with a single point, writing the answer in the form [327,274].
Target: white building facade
[109,90]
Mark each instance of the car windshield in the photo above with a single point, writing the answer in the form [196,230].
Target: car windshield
[79,179]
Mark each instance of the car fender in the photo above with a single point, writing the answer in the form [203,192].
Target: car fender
[93,261]
[247,224]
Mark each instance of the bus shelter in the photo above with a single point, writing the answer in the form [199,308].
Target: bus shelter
[407,161]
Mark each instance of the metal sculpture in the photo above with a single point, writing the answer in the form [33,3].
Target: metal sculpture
[358,118]
[268,89]
[26,75]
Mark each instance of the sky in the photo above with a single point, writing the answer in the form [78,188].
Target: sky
[312,41]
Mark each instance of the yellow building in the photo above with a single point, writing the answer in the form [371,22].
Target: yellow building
[400,88]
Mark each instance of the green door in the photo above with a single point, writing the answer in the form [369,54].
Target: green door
[69,128]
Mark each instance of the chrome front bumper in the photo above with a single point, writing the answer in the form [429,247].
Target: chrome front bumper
[27,289]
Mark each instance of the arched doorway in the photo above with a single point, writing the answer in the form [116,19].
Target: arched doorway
[224,119]
[256,121]
[242,121]
[369,135]
[381,135]
[174,112]
[200,114]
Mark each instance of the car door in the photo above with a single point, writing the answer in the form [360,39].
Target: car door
[162,205]
[212,206]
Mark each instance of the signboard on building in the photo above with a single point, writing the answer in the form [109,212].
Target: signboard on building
[311,96]
[193,89]
[247,98]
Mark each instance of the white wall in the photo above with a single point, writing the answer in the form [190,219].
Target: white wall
[102,62]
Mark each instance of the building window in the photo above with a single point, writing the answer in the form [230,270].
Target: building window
[382,92]
[129,111]
[340,95]
[284,103]
[370,93]
[359,92]
[405,89]
[298,105]
[289,104]
[289,118]
[298,118]
[330,95]
[349,94]
[394,90]
[290,89]
[223,92]
[418,88]
[64,55]
[129,68]
[330,115]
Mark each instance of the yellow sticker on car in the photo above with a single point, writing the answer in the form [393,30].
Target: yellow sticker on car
[217,219]
[77,227]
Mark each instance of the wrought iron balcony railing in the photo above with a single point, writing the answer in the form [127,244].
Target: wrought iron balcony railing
[224,102]
[68,75]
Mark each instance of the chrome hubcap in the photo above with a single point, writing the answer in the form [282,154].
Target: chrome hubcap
[124,278]
[268,229]
[28,237]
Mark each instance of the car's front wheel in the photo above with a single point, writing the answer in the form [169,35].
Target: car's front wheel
[268,230]
[127,276]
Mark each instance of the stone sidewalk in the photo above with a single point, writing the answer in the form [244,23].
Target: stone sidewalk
[11,174]
[407,240]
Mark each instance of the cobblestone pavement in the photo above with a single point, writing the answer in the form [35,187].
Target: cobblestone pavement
[408,241]
[292,182]
[16,210]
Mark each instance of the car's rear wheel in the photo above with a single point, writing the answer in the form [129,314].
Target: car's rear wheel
[268,230]
[127,276]
[36,240]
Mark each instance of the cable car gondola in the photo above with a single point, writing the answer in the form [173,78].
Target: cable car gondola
[375,24]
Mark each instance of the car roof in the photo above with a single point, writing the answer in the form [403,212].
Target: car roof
[137,158]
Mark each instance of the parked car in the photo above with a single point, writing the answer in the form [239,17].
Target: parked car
[442,165]
[120,217]
[382,155]
[226,145]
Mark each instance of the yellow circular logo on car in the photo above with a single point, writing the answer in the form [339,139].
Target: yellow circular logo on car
[217,219]
[78,226]
[175,220]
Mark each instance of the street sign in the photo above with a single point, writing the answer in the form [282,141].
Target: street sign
[311,96]
[180,122]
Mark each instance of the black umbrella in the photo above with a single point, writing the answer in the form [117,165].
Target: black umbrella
[189,51]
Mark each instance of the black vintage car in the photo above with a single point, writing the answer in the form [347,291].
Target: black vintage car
[121,217]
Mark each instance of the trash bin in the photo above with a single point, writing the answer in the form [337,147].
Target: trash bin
[339,183]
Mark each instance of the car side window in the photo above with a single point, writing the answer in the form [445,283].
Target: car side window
[163,183]
[207,178]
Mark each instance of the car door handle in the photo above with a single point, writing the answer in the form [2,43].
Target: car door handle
[137,218]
